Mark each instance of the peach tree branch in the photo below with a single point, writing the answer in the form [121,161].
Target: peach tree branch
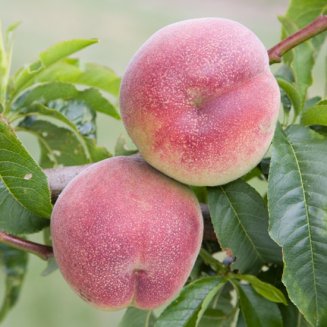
[316,27]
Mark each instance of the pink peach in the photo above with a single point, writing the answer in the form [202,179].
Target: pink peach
[124,234]
[199,101]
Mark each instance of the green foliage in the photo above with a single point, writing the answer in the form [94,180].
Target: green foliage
[256,310]
[57,98]
[302,58]
[138,318]
[21,175]
[240,220]
[187,309]
[14,264]
[297,197]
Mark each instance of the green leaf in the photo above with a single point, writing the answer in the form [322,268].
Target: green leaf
[183,312]
[292,316]
[221,311]
[256,310]
[3,67]
[41,110]
[94,100]
[59,145]
[121,147]
[240,220]
[266,290]
[14,218]
[297,197]
[316,115]
[56,94]
[76,72]
[292,93]
[21,174]
[302,58]
[48,57]
[137,318]
[14,263]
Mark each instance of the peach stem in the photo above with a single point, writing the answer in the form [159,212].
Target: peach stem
[316,27]
[43,251]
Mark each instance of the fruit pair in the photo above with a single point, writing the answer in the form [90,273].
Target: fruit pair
[201,105]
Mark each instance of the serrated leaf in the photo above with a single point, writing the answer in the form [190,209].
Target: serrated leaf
[302,57]
[183,311]
[59,145]
[316,115]
[41,110]
[56,94]
[266,290]
[14,218]
[21,174]
[76,72]
[137,318]
[240,221]
[292,316]
[293,94]
[48,57]
[14,263]
[297,197]
[256,310]
[221,311]
[76,113]
[94,100]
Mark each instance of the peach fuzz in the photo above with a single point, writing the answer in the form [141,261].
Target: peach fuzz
[125,234]
[199,101]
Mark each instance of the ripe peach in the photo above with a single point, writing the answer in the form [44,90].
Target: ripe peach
[199,101]
[124,234]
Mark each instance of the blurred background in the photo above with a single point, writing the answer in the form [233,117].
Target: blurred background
[122,26]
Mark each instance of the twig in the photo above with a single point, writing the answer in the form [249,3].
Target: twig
[316,27]
[43,251]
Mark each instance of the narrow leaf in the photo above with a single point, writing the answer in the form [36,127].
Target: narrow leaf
[266,290]
[221,312]
[297,197]
[292,93]
[256,310]
[63,93]
[240,220]
[183,312]
[302,58]
[76,72]
[21,174]
[14,218]
[137,318]
[316,115]
[47,58]
[292,316]
[58,145]
[14,263]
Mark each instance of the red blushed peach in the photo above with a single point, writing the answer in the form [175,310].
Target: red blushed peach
[199,101]
[124,234]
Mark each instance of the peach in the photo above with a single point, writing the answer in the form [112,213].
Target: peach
[199,101]
[125,234]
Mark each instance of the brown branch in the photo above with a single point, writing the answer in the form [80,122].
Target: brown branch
[58,178]
[316,27]
[43,251]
